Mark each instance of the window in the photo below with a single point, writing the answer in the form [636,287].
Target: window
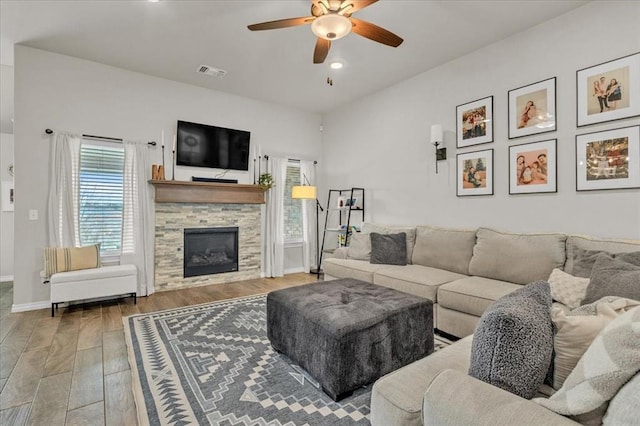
[292,208]
[101,196]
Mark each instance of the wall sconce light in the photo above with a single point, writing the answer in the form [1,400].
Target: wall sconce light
[437,140]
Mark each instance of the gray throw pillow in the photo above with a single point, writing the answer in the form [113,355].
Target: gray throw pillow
[513,342]
[389,249]
[614,277]
[583,260]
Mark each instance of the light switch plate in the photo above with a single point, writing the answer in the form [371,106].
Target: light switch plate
[33,214]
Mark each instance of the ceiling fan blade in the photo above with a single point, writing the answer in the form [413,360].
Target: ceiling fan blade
[356,4]
[321,51]
[375,33]
[282,23]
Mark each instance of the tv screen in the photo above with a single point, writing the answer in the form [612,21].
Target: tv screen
[200,145]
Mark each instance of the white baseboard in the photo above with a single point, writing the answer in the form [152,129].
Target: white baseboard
[294,270]
[22,307]
[4,278]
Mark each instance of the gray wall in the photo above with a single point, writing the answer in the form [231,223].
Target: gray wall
[6,218]
[381,142]
[80,96]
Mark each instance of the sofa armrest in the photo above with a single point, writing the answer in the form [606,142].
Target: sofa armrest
[340,253]
[455,398]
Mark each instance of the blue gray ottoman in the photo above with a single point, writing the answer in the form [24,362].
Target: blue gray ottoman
[347,333]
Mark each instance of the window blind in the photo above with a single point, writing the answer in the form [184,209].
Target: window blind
[101,196]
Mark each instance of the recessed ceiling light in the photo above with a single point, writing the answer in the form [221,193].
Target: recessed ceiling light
[335,65]
[153,1]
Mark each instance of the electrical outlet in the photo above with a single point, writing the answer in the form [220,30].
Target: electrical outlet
[33,214]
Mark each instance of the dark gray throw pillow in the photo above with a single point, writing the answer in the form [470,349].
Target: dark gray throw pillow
[619,276]
[389,249]
[583,260]
[513,342]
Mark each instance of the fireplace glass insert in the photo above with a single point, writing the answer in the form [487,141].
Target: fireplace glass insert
[210,251]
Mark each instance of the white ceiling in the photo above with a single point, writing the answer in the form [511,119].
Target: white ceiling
[170,39]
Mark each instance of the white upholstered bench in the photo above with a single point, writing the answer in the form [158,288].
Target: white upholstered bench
[91,283]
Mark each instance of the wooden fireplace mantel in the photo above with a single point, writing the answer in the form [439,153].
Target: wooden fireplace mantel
[175,191]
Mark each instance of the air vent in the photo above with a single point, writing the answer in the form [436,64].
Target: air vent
[215,72]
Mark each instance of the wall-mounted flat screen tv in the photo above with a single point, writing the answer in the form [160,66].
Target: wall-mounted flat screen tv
[201,145]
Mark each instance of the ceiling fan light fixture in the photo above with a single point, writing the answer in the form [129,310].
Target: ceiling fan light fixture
[331,26]
[336,65]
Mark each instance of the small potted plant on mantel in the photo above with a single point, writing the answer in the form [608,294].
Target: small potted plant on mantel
[265,181]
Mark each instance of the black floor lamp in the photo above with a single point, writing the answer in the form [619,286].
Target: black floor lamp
[309,192]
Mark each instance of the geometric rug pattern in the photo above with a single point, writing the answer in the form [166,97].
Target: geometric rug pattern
[213,364]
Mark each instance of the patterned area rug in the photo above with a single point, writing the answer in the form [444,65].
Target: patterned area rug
[213,364]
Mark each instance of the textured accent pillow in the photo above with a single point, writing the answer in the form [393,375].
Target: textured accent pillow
[623,409]
[389,249]
[62,259]
[359,246]
[513,342]
[567,289]
[444,248]
[583,260]
[584,242]
[368,227]
[612,359]
[516,258]
[613,277]
[575,330]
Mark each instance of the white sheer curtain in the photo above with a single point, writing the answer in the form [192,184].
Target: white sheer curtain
[62,209]
[138,216]
[309,219]
[273,241]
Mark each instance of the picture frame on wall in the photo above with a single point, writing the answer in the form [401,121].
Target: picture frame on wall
[608,91]
[474,122]
[532,109]
[474,173]
[8,196]
[608,160]
[533,167]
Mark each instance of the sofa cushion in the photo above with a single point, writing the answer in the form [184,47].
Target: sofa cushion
[415,279]
[388,249]
[613,277]
[473,295]
[591,243]
[349,268]
[396,399]
[513,343]
[388,229]
[623,409]
[444,248]
[612,359]
[359,246]
[583,260]
[567,289]
[516,258]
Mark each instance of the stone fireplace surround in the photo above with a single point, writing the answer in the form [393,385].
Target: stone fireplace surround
[198,211]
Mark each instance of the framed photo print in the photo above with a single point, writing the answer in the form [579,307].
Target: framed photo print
[7,196]
[533,167]
[609,91]
[608,160]
[474,123]
[475,173]
[532,109]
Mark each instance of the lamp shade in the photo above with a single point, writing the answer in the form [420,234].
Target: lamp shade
[436,133]
[331,26]
[305,192]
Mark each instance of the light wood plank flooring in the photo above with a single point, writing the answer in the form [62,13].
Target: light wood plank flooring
[73,369]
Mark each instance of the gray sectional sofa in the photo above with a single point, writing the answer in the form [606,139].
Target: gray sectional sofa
[463,271]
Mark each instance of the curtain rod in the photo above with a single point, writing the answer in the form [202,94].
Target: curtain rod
[104,138]
[266,157]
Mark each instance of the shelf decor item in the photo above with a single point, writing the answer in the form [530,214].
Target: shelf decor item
[533,167]
[608,159]
[475,173]
[474,122]
[609,91]
[265,181]
[532,109]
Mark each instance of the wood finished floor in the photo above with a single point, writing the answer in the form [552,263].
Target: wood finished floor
[73,369]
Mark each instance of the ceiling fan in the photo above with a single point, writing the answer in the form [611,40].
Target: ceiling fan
[332,20]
